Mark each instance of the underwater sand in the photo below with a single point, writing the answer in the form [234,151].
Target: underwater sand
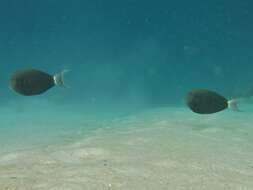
[165,148]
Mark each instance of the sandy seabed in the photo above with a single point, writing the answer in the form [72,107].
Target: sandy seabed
[158,149]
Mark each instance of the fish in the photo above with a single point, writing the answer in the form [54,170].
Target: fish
[204,101]
[30,82]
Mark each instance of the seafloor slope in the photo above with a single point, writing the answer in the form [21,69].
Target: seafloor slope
[167,148]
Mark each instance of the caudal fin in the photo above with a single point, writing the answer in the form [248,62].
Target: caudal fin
[59,78]
[233,105]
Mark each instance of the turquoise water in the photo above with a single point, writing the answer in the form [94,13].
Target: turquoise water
[122,123]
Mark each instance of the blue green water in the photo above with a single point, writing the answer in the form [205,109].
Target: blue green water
[127,58]
[166,47]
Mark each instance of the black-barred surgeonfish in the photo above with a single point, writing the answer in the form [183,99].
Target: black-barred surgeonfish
[203,101]
[34,82]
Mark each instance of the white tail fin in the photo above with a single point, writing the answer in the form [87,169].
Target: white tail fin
[59,78]
[233,105]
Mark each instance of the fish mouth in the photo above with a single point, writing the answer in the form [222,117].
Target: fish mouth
[13,83]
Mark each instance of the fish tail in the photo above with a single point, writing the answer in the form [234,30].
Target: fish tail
[59,78]
[233,105]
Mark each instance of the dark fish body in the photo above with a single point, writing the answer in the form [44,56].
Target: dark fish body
[31,82]
[204,101]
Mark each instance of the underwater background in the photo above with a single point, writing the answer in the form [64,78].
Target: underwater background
[131,64]
[166,47]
